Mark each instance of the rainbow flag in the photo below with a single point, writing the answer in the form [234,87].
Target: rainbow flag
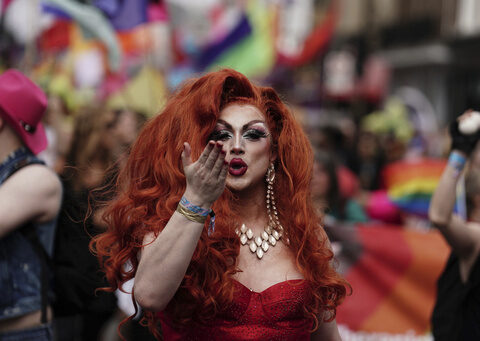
[410,185]
[393,272]
[250,48]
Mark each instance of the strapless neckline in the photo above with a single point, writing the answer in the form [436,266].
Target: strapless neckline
[275,313]
[295,282]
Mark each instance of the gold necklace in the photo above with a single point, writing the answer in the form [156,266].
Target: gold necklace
[259,244]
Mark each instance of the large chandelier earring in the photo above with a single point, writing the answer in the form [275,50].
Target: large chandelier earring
[270,176]
[273,222]
[272,232]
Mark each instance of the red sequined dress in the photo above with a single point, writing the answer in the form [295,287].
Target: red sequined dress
[273,314]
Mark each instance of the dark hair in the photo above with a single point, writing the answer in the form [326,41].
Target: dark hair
[335,203]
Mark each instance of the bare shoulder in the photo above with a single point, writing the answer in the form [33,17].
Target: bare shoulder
[36,179]
[36,188]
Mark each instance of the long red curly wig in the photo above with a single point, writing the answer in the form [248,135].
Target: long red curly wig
[152,182]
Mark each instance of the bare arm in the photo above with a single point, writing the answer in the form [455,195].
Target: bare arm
[462,238]
[164,261]
[327,331]
[33,193]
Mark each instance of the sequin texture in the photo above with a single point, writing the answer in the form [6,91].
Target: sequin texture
[273,314]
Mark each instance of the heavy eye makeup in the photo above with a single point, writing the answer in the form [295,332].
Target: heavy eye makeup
[220,135]
[252,134]
[255,134]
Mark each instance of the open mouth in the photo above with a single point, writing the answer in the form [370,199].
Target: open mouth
[237,167]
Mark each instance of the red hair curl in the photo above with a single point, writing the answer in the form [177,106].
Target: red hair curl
[152,182]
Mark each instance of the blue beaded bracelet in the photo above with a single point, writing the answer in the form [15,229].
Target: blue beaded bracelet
[457,161]
[200,211]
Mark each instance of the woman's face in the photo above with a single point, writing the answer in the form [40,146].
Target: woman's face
[246,139]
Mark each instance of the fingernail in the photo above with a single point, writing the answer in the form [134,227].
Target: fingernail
[223,152]
[225,162]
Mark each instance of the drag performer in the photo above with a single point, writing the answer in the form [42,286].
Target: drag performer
[213,211]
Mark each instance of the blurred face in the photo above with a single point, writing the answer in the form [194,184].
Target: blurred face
[367,146]
[126,128]
[246,138]
[320,181]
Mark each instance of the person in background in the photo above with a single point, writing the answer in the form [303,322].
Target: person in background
[80,312]
[58,126]
[262,268]
[127,125]
[30,197]
[327,195]
[456,314]
[370,161]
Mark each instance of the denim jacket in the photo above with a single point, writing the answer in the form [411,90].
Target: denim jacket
[20,267]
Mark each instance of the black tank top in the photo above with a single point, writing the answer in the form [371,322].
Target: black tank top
[456,315]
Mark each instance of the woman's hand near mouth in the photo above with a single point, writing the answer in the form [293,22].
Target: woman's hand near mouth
[206,176]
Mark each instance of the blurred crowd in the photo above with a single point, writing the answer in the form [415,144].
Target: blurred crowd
[88,145]
[108,66]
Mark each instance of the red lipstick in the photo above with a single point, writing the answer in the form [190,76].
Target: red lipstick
[237,167]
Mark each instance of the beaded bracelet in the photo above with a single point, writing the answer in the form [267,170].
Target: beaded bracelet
[196,213]
[196,209]
[457,162]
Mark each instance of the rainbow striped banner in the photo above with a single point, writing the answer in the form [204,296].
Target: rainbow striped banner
[393,272]
[410,185]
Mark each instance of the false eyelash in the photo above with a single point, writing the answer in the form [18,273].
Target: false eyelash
[251,134]
[255,134]
[219,135]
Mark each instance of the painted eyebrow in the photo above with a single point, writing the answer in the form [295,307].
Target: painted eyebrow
[245,126]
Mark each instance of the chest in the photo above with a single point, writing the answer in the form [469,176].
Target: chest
[277,265]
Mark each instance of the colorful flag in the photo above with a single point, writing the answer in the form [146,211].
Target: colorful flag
[393,272]
[124,15]
[93,23]
[316,41]
[210,53]
[410,185]
[254,55]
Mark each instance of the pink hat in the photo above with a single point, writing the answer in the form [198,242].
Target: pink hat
[23,104]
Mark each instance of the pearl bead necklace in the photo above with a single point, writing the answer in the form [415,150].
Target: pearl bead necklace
[259,244]
[271,234]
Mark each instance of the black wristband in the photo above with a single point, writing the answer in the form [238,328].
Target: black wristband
[462,142]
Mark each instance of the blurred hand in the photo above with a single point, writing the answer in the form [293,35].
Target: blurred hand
[463,142]
[206,176]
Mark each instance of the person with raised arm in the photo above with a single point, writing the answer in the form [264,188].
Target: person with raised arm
[456,314]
